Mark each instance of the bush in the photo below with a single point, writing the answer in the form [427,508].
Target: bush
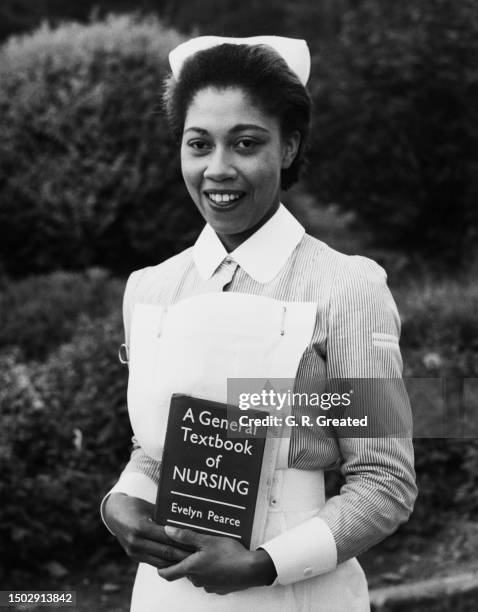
[64,429]
[88,174]
[23,15]
[440,317]
[395,136]
[64,435]
[40,313]
[440,341]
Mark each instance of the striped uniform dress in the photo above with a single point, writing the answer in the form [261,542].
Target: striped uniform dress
[355,335]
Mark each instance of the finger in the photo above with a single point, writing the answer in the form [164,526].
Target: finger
[140,546]
[216,590]
[195,581]
[154,561]
[174,572]
[152,531]
[184,536]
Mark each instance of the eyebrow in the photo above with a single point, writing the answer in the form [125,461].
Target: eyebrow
[241,127]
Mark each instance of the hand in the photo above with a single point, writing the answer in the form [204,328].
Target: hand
[221,565]
[131,520]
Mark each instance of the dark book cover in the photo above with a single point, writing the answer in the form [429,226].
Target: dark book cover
[211,468]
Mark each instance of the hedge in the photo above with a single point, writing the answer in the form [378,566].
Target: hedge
[40,313]
[64,436]
[395,137]
[88,174]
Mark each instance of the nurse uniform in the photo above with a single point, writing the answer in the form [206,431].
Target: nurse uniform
[282,305]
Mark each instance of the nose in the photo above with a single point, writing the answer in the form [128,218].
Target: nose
[219,166]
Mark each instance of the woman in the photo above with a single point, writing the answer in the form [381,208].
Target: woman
[241,113]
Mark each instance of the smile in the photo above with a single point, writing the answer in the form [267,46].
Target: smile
[222,198]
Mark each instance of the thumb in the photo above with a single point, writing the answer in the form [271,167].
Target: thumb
[184,536]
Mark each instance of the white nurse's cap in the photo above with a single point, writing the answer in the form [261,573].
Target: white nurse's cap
[294,51]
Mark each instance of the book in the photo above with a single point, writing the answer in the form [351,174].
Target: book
[215,467]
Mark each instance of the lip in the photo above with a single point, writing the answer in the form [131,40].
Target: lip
[233,191]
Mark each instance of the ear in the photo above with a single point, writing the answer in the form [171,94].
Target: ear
[290,147]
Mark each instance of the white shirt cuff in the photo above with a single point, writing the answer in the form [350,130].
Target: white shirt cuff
[302,552]
[134,484]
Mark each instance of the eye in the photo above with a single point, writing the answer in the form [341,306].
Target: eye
[247,144]
[199,145]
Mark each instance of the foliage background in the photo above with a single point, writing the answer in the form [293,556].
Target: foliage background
[90,189]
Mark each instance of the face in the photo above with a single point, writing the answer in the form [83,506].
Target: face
[232,154]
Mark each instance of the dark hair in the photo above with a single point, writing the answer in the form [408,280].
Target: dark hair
[262,73]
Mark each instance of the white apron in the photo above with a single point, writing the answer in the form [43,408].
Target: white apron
[193,347]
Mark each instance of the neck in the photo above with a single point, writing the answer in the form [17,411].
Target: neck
[232,241]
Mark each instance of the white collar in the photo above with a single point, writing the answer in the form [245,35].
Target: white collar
[261,256]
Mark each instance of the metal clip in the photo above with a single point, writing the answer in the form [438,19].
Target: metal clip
[282,325]
[123,353]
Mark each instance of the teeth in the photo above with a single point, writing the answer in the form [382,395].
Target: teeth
[219,198]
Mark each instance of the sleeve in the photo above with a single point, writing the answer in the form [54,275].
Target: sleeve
[379,490]
[141,475]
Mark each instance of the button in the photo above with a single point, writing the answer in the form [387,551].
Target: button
[308,572]
[273,501]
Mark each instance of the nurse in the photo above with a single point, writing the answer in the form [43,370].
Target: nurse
[257,297]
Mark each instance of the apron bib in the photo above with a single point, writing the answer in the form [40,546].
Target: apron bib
[193,347]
